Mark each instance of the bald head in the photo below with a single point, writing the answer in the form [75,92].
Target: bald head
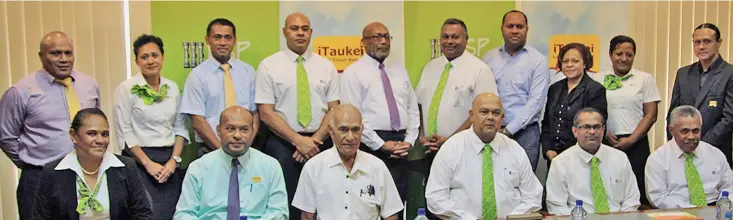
[486,97]
[57,54]
[235,113]
[371,27]
[343,112]
[297,32]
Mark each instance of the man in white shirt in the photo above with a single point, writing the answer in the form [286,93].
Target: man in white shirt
[295,89]
[481,173]
[452,81]
[384,96]
[686,172]
[368,191]
[599,175]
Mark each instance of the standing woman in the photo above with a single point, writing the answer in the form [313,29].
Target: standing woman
[91,182]
[149,127]
[632,106]
[567,96]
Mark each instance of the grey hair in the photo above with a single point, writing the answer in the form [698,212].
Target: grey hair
[576,120]
[683,111]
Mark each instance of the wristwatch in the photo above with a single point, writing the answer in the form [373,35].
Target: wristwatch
[177,159]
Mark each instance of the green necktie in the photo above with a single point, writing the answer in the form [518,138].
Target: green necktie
[435,102]
[487,186]
[88,198]
[613,82]
[599,192]
[694,184]
[304,95]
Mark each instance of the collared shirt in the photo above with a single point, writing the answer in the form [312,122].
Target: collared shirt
[361,85]
[454,187]
[277,84]
[666,183]
[71,162]
[704,73]
[468,77]
[155,125]
[626,104]
[523,80]
[34,118]
[205,189]
[569,179]
[204,91]
[366,192]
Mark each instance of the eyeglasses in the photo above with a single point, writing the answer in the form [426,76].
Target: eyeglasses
[587,127]
[379,37]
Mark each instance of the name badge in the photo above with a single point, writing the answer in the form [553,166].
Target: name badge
[713,104]
[257,179]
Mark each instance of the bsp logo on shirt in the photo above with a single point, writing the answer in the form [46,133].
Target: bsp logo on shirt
[256,179]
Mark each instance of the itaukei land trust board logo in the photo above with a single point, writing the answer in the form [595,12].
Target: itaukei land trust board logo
[559,40]
[341,50]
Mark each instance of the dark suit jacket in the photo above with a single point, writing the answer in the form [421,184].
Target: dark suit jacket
[56,195]
[560,110]
[714,100]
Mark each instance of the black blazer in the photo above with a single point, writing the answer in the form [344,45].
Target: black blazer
[714,100]
[56,195]
[557,124]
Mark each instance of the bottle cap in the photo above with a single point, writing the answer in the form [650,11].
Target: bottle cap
[421,211]
[242,217]
[725,193]
[578,202]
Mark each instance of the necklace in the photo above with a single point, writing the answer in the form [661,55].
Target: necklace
[88,172]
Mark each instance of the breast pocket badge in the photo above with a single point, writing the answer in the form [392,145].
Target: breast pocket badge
[713,104]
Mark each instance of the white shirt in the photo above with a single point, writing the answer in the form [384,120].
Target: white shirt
[327,188]
[454,187]
[626,104]
[361,85]
[155,125]
[71,162]
[569,180]
[277,84]
[468,77]
[666,183]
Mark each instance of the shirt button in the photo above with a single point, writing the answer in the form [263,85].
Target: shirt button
[346,207]
[561,119]
[347,192]
[562,106]
[558,131]
[557,138]
[560,112]
[568,107]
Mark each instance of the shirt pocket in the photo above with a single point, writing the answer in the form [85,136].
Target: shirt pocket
[512,177]
[461,95]
[366,207]
[617,187]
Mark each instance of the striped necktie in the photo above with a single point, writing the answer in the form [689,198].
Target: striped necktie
[694,183]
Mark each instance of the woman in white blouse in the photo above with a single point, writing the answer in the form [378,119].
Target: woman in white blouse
[632,106]
[149,128]
[90,182]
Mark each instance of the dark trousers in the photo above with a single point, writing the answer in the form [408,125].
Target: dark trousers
[30,178]
[163,196]
[529,139]
[397,167]
[637,154]
[283,151]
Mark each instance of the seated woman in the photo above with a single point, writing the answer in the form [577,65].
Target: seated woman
[567,96]
[89,182]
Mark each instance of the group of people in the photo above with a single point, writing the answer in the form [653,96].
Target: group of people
[481,121]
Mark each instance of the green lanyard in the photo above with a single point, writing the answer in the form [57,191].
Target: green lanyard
[88,198]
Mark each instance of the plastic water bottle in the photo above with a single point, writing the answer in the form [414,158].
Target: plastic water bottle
[578,212]
[242,217]
[728,215]
[421,214]
[722,206]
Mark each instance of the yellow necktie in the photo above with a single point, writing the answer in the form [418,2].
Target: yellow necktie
[72,101]
[229,94]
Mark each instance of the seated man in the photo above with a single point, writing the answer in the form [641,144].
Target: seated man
[599,175]
[234,180]
[686,172]
[480,173]
[368,191]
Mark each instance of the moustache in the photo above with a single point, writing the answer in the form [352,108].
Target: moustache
[691,141]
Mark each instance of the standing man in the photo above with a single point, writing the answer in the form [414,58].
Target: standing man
[598,174]
[385,97]
[686,172]
[36,114]
[367,192]
[481,173]
[235,180]
[295,89]
[708,86]
[210,87]
[448,85]
[523,79]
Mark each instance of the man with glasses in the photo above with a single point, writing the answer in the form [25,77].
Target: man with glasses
[708,86]
[384,96]
[295,90]
[686,172]
[590,171]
